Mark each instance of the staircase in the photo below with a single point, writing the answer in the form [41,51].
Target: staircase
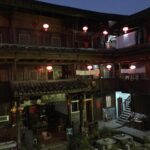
[124,117]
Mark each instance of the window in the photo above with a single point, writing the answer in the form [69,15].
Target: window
[75,106]
[4,118]
[108,101]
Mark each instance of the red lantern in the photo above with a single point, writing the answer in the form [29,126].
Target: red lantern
[132,67]
[45,26]
[89,67]
[49,68]
[125,29]
[109,67]
[85,28]
[105,32]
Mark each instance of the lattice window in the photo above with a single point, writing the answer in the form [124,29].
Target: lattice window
[24,38]
[55,41]
[33,75]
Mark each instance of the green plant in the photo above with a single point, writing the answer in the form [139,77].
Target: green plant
[105,132]
[85,145]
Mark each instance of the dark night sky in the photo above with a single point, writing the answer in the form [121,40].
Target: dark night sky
[126,7]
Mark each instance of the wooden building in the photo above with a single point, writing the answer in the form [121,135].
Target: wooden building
[44,55]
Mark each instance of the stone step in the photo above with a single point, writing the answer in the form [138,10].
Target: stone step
[126,110]
[124,117]
[125,114]
[123,120]
[120,122]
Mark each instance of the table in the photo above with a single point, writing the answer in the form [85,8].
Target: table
[123,137]
[106,142]
[137,123]
[8,145]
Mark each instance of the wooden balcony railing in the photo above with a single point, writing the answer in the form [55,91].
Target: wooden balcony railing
[135,86]
[70,39]
[141,86]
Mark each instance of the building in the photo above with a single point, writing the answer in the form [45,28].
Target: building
[45,52]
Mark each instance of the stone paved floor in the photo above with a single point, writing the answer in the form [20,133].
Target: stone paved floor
[131,131]
[137,135]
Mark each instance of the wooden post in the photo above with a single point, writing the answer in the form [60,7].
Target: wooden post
[18,125]
[18,117]
[147,67]
[81,102]
[69,111]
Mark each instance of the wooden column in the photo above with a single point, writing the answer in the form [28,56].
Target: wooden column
[18,124]
[14,67]
[69,110]
[18,115]
[147,67]
[81,105]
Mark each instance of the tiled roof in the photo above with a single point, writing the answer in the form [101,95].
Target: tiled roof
[35,88]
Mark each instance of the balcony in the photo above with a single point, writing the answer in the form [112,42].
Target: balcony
[141,86]
[66,39]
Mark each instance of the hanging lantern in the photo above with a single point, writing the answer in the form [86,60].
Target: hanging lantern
[105,32]
[85,28]
[49,68]
[45,26]
[109,67]
[132,67]
[125,29]
[89,67]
